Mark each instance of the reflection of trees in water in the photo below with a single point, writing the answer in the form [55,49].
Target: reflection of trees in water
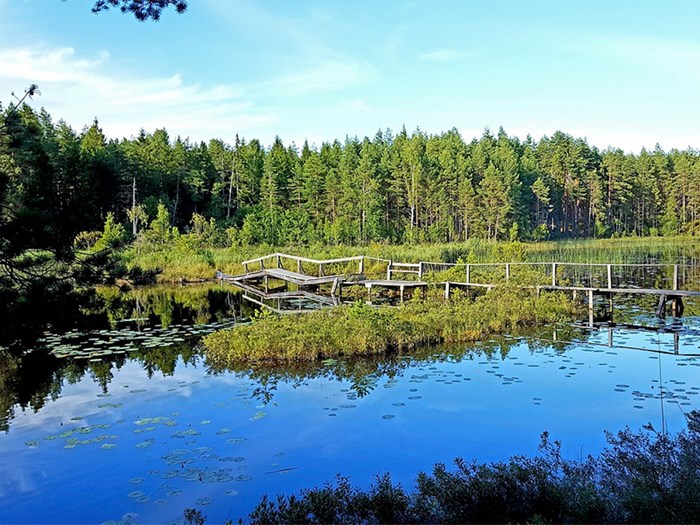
[363,373]
[30,381]
[168,305]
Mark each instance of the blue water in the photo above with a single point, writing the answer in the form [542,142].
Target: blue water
[150,448]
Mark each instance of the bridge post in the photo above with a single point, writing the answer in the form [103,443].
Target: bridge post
[507,272]
[677,307]
[469,268]
[447,289]
[554,274]
[420,270]
[609,276]
[245,267]
[590,308]
[278,261]
[388,272]
[675,277]
[299,268]
[362,265]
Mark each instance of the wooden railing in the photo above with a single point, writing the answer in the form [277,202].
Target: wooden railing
[277,260]
[591,275]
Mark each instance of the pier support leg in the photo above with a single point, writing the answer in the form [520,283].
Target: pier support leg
[661,308]
[590,308]
[677,307]
[447,290]
[401,289]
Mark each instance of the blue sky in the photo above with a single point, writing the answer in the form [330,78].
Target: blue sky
[620,73]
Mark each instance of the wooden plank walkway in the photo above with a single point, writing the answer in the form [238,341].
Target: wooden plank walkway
[282,275]
[347,274]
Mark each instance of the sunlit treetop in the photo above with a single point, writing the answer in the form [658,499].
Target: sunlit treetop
[142,9]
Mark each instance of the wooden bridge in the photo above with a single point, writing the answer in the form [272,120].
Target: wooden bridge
[592,280]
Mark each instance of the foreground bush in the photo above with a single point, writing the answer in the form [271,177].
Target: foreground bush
[363,330]
[641,477]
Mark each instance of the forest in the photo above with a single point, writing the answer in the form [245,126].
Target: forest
[393,188]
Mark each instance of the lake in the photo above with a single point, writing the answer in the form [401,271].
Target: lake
[134,426]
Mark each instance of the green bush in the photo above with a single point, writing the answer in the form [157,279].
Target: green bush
[640,477]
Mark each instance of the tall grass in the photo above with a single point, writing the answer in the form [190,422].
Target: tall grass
[359,329]
[182,263]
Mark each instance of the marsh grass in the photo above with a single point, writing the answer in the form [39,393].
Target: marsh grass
[177,262]
[360,329]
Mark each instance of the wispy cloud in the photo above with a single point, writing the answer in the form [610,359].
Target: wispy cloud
[328,75]
[445,55]
[77,89]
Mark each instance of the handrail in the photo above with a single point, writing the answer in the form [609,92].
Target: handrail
[421,267]
[518,263]
[314,261]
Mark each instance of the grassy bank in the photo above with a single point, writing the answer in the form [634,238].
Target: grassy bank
[364,330]
[177,262]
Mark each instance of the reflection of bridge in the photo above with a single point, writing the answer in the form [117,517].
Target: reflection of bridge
[665,282]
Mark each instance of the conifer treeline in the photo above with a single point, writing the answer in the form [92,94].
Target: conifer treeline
[393,187]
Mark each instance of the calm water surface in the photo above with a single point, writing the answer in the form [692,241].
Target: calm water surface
[138,438]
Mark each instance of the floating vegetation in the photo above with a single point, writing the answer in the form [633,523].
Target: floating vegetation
[98,345]
[206,475]
[110,405]
[185,433]
[205,501]
[156,420]
[32,444]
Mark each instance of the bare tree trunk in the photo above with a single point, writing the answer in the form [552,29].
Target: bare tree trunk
[134,219]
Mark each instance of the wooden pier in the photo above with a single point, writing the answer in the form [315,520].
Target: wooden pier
[588,280]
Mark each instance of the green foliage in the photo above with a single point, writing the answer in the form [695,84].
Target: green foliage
[160,231]
[113,235]
[641,477]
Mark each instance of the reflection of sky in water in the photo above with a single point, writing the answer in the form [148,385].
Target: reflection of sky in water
[193,440]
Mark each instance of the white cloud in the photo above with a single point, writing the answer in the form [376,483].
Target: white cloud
[77,89]
[444,55]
